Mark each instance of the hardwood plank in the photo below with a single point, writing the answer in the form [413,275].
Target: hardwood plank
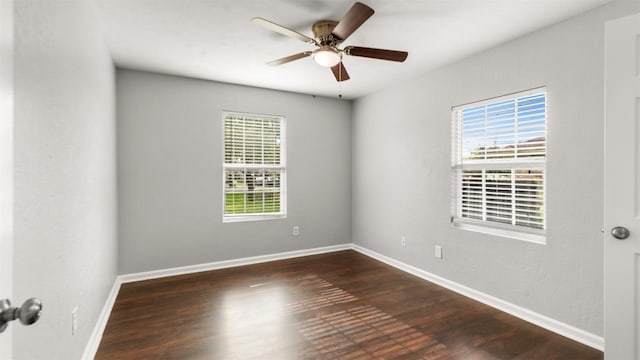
[342,305]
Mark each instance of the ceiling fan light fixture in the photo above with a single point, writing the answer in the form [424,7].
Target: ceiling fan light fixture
[327,56]
[328,35]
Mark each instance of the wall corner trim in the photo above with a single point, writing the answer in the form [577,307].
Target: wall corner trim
[96,335]
[558,327]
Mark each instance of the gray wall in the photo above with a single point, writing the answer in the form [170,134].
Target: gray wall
[401,173]
[65,248]
[170,172]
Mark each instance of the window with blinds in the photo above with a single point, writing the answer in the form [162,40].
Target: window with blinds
[498,162]
[253,167]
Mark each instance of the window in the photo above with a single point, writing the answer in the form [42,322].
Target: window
[498,165]
[254,167]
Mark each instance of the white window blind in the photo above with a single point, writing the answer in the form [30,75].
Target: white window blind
[498,161]
[254,167]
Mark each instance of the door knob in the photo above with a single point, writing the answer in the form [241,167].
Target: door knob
[28,313]
[620,232]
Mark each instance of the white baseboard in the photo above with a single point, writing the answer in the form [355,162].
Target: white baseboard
[94,341]
[543,321]
[147,275]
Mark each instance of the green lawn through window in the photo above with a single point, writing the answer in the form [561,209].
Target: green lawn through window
[252,203]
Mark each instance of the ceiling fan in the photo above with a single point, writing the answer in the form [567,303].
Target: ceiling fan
[328,35]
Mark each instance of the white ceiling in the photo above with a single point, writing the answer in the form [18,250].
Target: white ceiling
[214,39]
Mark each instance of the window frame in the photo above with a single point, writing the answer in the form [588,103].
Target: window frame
[282,214]
[520,232]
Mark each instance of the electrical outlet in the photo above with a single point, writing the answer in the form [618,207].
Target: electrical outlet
[74,321]
[438,251]
[296,230]
[403,241]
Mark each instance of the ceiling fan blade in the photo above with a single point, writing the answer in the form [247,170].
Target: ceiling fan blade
[381,54]
[282,30]
[289,58]
[340,72]
[356,16]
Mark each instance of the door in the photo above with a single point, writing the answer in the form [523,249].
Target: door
[622,189]
[6,163]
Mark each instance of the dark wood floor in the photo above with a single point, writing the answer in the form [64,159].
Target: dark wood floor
[341,305]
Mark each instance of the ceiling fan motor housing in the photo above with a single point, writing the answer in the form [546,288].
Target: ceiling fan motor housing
[322,31]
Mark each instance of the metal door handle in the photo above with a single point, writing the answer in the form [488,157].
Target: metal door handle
[620,232]
[28,313]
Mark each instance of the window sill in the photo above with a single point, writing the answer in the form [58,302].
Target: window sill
[537,237]
[243,218]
